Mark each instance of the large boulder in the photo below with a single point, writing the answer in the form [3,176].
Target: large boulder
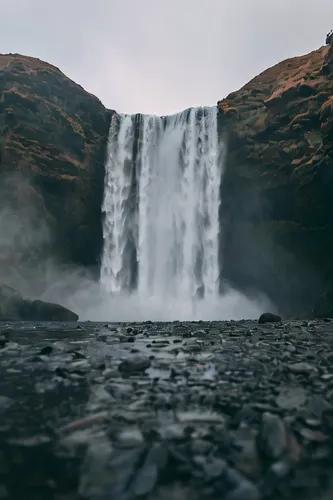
[11,302]
[14,307]
[38,310]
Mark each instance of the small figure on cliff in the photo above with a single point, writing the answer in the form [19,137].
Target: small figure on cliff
[329,37]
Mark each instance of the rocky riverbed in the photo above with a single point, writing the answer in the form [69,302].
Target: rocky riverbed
[161,411]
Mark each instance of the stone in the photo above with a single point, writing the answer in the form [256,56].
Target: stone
[302,368]
[317,405]
[136,364]
[269,318]
[243,488]
[11,302]
[291,397]
[14,307]
[46,351]
[3,341]
[273,437]
[38,310]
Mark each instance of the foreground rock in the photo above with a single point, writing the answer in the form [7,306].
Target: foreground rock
[216,411]
[269,318]
[14,307]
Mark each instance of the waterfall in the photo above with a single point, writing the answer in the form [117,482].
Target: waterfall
[161,208]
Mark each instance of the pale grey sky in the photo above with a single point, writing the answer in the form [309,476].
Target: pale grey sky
[161,56]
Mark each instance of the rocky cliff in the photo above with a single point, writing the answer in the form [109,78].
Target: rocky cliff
[52,151]
[278,189]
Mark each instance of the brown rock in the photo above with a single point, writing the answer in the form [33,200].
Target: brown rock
[54,137]
[278,184]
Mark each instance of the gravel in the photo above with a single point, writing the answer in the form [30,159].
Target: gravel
[223,410]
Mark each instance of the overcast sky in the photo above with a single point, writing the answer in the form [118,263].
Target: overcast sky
[161,56]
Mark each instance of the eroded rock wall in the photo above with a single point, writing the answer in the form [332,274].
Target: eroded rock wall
[278,189]
[53,144]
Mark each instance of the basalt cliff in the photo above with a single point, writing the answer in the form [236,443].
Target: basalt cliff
[278,188]
[277,194]
[52,151]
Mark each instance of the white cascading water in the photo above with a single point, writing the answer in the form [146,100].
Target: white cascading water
[115,270]
[174,226]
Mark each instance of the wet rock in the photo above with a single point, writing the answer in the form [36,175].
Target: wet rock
[3,341]
[46,351]
[136,364]
[273,438]
[197,418]
[269,318]
[313,435]
[78,355]
[291,397]
[146,477]
[247,458]
[302,368]
[317,405]
[243,489]
[84,423]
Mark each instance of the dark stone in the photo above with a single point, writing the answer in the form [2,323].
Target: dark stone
[14,307]
[11,302]
[39,310]
[3,341]
[269,318]
[46,351]
[137,364]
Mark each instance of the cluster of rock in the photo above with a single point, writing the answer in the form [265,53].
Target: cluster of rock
[14,307]
[231,410]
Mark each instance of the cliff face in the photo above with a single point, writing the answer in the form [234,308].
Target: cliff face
[278,189]
[52,153]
